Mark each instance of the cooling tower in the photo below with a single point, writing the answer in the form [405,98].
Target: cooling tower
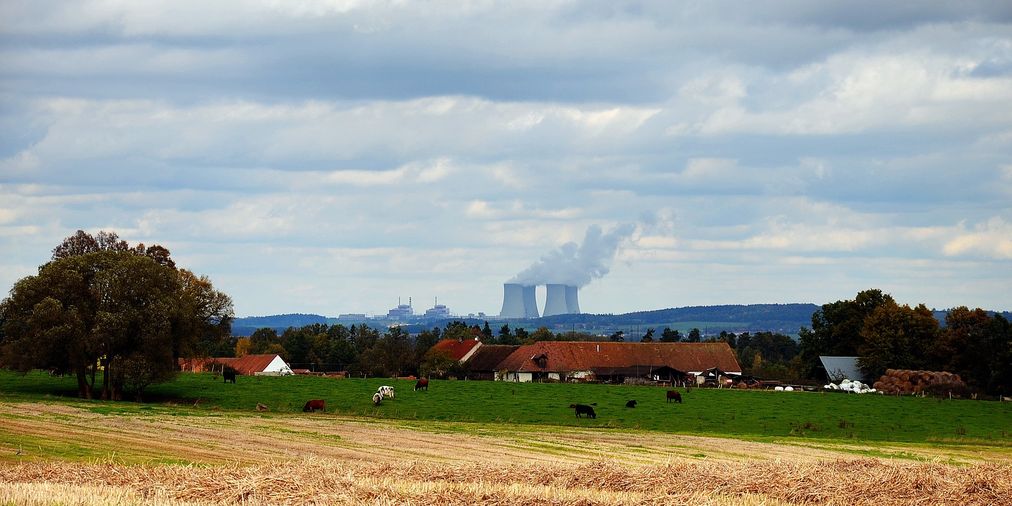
[572,300]
[512,301]
[518,301]
[555,300]
[530,302]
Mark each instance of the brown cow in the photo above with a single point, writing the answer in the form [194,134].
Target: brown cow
[313,405]
[422,384]
[674,395]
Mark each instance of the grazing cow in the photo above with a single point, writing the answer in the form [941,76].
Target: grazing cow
[583,409]
[229,375]
[313,405]
[631,404]
[674,395]
[423,384]
[386,391]
[377,398]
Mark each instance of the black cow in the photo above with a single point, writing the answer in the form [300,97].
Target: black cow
[674,395]
[229,375]
[630,404]
[313,405]
[422,384]
[583,409]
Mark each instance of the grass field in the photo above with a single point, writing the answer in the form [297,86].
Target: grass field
[752,414]
[199,441]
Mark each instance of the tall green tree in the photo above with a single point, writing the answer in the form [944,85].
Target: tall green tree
[101,310]
[341,350]
[670,336]
[424,341]
[694,336]
[896,337]
[836,329]
[391,355]
[262,339]
[976,346]
[542,334]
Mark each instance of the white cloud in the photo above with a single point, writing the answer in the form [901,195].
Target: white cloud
[779,153]
[991,239]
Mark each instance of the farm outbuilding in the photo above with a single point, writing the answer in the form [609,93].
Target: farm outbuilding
[250,365]
[838,369]
[611,361]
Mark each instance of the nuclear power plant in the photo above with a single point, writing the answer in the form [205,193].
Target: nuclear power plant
[562,272]
[519,301]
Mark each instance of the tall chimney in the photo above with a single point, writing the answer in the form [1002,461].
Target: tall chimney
[555,300]
[572,299]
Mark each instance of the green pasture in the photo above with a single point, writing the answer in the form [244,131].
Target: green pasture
[748,414]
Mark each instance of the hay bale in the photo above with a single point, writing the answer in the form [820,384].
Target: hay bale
[914,382]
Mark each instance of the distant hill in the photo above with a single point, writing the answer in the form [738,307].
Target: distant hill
[247,325]
[787,318]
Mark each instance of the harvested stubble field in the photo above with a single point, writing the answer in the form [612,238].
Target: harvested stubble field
[71,454]
[201,442]
[332,482]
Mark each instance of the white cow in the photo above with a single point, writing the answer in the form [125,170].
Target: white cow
[377,398]
[386,391]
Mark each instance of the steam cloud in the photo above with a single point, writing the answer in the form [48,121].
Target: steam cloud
[574,264]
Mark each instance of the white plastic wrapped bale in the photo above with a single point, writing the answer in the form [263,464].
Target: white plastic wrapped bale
[850,386]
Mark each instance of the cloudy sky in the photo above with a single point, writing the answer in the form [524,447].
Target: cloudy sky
[331,156]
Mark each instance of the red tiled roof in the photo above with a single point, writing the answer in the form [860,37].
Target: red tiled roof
[455,349]
[247,365]
[489,356]
[565,356]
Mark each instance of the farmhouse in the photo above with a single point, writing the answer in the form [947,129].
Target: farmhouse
[458,350]
[611,361]
[249,365]
[484,364]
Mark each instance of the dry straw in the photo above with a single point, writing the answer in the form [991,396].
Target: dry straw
[858,482]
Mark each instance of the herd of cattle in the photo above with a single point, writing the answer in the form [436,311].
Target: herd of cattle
[584,409]
[383,392]
[387,392]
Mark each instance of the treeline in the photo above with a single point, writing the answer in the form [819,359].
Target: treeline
[359,349]
[973,343]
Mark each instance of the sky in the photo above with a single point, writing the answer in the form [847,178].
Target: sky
[333,156]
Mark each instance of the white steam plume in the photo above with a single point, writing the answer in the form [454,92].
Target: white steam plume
[577,265]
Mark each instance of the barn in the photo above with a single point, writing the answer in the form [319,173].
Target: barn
[615,361]
[270,364]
